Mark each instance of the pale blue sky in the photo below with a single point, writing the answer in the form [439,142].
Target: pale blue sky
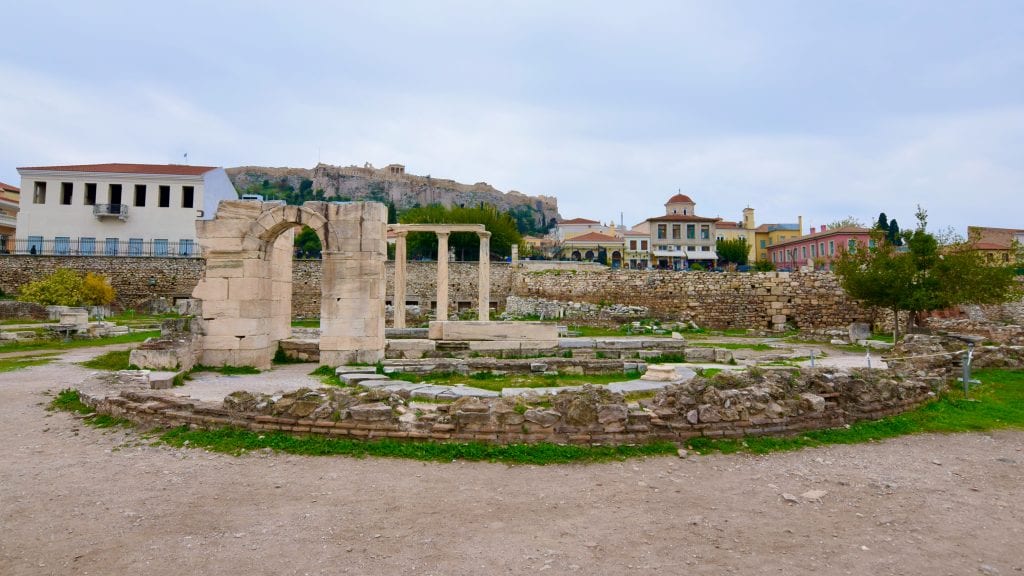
[819,108]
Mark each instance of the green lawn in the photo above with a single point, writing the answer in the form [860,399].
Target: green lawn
[490,381]
[12,364]
[58,344]
[115,360]
[307,323]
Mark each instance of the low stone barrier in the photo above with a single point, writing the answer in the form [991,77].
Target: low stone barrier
[729,405]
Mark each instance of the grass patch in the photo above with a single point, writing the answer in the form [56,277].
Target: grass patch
[997,403]
[58,344]
[306,323]
[12,364]
[235,441]
[672,358]
[68,400]
[18,321]
[496,382]
[115,360]
[708,372]
[226,370]
[733,346]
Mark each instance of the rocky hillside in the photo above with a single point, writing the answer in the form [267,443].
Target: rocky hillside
[392,183]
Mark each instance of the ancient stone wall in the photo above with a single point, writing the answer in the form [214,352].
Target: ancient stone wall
[718,300]
[726,406]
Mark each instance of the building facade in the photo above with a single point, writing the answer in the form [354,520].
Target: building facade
[818,249]
[592,246]
[997,245]
[9,205]
[577,227]
[117,209]
[680,237]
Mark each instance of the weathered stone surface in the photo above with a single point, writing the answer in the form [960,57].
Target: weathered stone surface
[371,412]
[546,418]
[859,331]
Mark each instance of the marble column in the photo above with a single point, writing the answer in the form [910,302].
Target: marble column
[399,293]
[442,276]
[484,283]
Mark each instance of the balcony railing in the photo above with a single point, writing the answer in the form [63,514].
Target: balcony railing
[114,210]
[66,246]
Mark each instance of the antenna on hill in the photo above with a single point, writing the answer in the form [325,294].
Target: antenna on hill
[186,157]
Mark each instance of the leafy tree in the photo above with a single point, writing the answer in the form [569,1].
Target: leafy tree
[734,251]
[848,221]
[764,266]
[502,227]
[697,267]
[307,243]
[66,287]
[893,234]
[926,277]
[883,223]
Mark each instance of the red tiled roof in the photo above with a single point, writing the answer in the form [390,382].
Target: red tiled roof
[682,218]
[679,198]
[724,224]
[829,232]
[990,246]
[119,168]
[579,221]
[594,237]
[9,188]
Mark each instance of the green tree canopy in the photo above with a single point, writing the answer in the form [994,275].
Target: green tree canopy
[883,223]
[66,287]
[848,221]
[923,278]
[504,233]
[734,251]
[893,233]
[307,243]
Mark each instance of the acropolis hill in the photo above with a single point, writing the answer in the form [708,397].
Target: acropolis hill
[392,182]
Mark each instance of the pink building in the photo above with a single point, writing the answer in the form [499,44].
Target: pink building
[819,248]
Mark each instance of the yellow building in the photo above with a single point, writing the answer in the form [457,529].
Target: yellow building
[759,238]
[9,204]
[997,245]
[590,246]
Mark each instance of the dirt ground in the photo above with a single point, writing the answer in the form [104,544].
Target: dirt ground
[76,500]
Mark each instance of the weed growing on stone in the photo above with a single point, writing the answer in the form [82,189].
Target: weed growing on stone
[226,370]
[498,382]
[733,346]
[69,401]
[281,358]
[236,442]
[672,358]
[115,360]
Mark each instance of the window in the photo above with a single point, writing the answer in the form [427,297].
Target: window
[62,245]
[851,245]
[675,232]
[165,196]
[821,248]
[632,244]
[871,243]
[90,194]
[188,196]
[87,246]
[160,247]
[185,248]
[705,232]
[135,246]
[691,231]
[643,244]
[140,194]
[66,189]
[662,232]
[110,247]
[762,244]
[831,247]
[805,252]
[35,244]
[114,194]
[705,248]
[39,193]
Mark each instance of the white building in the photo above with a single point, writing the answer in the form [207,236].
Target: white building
[577,227]
[117,209]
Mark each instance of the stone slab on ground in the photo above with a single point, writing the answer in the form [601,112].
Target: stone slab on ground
[542,391]
[630,386]
[455,392]
[161,379]
[499,331]
[355,370]
[428,392]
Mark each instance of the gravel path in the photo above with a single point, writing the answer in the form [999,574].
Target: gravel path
[76,500]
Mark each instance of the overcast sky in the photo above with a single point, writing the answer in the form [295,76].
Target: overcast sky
[818,108]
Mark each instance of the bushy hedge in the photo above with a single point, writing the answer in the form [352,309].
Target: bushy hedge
[68,288]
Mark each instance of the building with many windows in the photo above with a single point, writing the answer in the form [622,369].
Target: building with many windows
[818,249]
[997,245]
[680,237]
[117,209]
[567,229]
[9,199]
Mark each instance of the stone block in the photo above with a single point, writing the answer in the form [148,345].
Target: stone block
[161,380]
[210,289]
[521,345]
[494,331]
[859,331]
[778,319]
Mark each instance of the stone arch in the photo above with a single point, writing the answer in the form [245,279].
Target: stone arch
[246,285]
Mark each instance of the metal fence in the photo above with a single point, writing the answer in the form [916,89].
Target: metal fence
[67,246]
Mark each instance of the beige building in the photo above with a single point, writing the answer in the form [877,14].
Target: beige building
[759,237]
[680,237]
[577,227]
[117,209]
[9,198]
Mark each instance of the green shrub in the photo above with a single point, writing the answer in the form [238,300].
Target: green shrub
[68,288]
